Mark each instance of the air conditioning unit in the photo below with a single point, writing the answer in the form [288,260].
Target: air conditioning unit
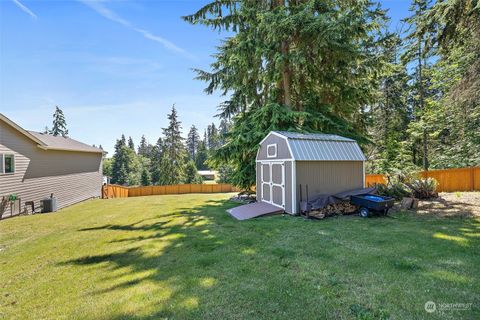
[49,204]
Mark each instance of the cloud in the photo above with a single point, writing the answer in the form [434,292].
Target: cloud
[25,9]
[98,7]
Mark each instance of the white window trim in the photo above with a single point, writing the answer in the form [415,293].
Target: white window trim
[275,147]
[3,163]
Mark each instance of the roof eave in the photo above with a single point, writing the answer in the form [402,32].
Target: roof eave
[21,130]
[46,148]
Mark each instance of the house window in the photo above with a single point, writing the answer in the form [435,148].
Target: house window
[271,150]
[8,163]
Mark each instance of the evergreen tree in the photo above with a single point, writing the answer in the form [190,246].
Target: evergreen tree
[201,156]
[131,145]
[143,147]
[146,179]
[191,173]
[156,158]
[192,141]
[59,126]
[302,63]
[172,163]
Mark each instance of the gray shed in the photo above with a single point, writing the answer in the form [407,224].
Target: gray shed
[328,164]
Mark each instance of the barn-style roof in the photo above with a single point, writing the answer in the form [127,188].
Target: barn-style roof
[321,147]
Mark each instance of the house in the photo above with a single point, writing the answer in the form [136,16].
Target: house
[208,174]
[35,165]
[288,161]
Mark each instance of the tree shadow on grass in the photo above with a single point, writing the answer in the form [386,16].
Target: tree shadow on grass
[201,263]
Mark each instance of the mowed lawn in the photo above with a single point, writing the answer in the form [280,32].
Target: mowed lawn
[183,256]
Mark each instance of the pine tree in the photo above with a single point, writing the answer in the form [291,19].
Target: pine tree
[143,147]
[191,173]
[201,156]
[156,158]
[172,164]
[192,141]
[417,54]
[59,126]
[146,179]
[131,145]
[301,63]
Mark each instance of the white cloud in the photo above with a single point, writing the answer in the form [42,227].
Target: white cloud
[25,9]
[98,7]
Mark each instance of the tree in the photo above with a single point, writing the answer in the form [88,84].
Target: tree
[156,158]
[191,173]
[59,126]
[146,179]
[201,156]
[192,141]
[172,163]
[308,65]
[131,145]
[125,164]
[390,115]
[144,148]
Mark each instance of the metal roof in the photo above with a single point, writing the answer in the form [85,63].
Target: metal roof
[322,147]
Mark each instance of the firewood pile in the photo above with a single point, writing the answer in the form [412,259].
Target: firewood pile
[340,208]
[244,197]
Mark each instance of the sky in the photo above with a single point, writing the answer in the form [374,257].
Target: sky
[113,66]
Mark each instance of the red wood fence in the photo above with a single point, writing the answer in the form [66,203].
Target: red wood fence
[449,180]
[116,191]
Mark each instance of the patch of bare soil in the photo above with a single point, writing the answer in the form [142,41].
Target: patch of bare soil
[461,204]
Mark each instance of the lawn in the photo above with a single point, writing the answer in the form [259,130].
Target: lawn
[182,256]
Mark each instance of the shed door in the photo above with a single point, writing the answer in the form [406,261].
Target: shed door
[273,183]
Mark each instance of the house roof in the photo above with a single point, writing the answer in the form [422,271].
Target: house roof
[50,142]
[61,143]
[321,147]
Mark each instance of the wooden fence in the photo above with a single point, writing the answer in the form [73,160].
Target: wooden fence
[449,180]
[116,191]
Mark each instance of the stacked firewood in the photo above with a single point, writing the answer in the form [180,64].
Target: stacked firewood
[339,208]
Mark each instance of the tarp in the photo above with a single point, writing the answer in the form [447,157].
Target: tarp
[323,200]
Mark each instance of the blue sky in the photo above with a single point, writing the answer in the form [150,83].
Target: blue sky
[113,66]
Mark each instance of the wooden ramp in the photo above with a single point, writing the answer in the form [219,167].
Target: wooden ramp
[253,210]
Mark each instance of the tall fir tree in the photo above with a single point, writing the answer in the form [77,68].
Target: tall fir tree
[201,156]
[172,163]
[156,158]
[193,139]
[290,65]
[59,125]
[131,145]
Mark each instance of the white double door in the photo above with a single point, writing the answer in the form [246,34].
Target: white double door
[273,183]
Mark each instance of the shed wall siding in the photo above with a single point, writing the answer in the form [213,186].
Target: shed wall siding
[328,177]
[259,182]
[71,176]
[288,187]
[282,148]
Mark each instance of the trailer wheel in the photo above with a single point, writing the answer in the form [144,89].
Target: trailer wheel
[364,213]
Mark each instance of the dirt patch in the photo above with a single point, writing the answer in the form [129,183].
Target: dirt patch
[461,204]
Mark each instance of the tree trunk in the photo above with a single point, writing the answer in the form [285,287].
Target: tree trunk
[422,105]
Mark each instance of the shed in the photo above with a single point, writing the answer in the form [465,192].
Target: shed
[327,163]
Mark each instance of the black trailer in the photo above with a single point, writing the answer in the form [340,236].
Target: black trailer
[369,203]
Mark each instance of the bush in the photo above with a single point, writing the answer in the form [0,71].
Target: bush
[396,190]
[423,188]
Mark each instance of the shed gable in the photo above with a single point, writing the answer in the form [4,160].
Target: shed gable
[274,147]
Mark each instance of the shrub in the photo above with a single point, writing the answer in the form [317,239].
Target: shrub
[423,188]
[395,190]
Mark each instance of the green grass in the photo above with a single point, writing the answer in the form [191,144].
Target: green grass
[182,256]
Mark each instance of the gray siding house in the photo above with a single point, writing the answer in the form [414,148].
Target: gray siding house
[328,164]
[34,165]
